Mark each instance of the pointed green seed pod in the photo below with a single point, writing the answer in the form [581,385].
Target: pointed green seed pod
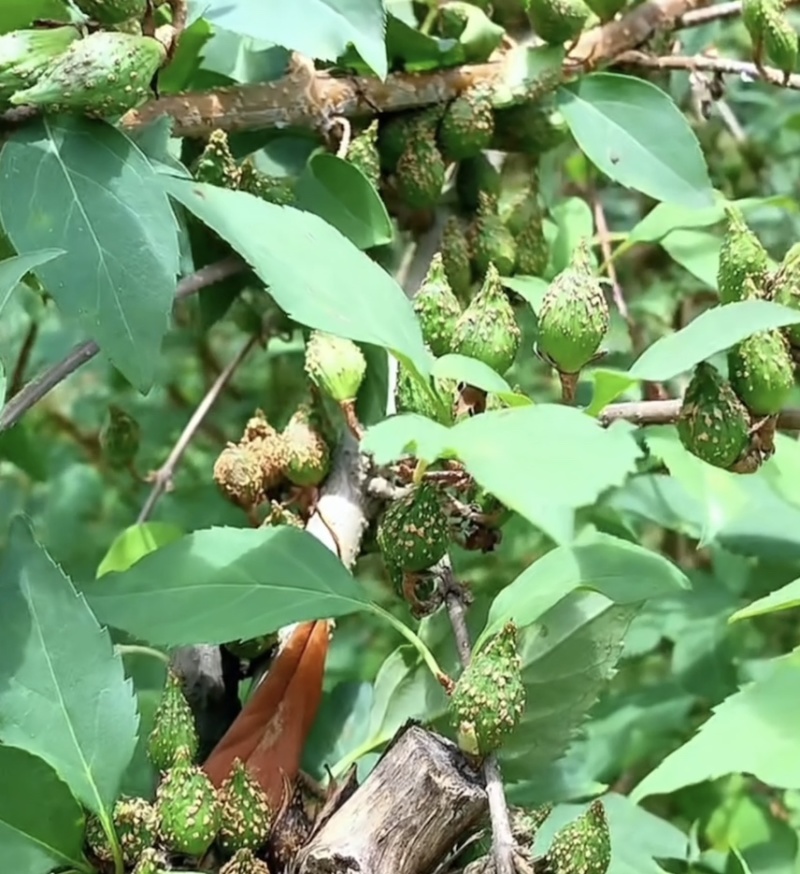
[467,125]
[112,11]
[363,153]
[413,532]
[309,453]
[533,255]
[741,256]
[583,846]
[713,423]
[784,289]
[491,241]
[780,43]
[151,862]
[245,814]
[244,862]
[119,437]
[187,805]
[456,258]
[762,372]
[136,824]
[755,14]
[103,75]
[437,308]
[489,698]
[557,21]
[335,365]
[420,171]
[174,727]
[273,189]
[26,54]
[574,316]
[487,329]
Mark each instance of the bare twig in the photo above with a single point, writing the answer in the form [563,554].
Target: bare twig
[162,479]
[41,385]
[18,377]
[666,412]
[728,66]
[717,12]
[605,246]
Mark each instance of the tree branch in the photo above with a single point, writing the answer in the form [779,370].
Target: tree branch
[666,412]
[43,384]
[717,12]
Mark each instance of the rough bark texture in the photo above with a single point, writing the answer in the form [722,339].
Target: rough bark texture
[418,802]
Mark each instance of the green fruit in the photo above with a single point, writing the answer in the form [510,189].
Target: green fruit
[437,308]
[713,423]
[335,365]
[557,21]
[780,43]
[762,372]
[245,814]
[239,475]
[112,11]
[363,153]
[533,256]
[574,317]
[467,125]
[244,862]
[26,54]
[309,454]
[216,164]
[524,208]
[97,840]
[487,329]
[492,242]
[489,698]
[395,133]
[456,259]
[151,862]
[413,532]
[741,256]
[188,807]
[105,74]
[785,289]
[420,172]
[119,437]
[273,189]
[174,730]
[528,128]
[754,16]
[411,397]
[605,10]
[471,27]
[473,176]
[136,824]
[583,846]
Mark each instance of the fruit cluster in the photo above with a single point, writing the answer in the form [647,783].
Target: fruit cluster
[188,815]
[730,423]
[102,73]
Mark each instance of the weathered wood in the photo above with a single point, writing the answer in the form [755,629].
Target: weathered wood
[421,799]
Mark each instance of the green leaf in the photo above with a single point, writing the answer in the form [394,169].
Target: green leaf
[135,542]
[622,571]
[574,222]
[784,598]
[638,137]
[481,36]
[462,368]
[63,693]
[90,192]
[339,289]
[531,288]
[13,269]
[223,584]
[697,252]
[713,331]
[340,193]
[754,731]
[321,29]
[608,386]
[41,824]
[406,434]
[415,51]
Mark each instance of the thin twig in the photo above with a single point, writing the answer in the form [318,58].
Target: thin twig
[503,845]
[605,246]
[18,377]
[163,477]
[717,12]
[43,384]
[666,412]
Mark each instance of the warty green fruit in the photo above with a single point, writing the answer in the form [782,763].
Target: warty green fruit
[487,329]
[467,126]
[754,17]
[533,254]
[762,372]
[97,840]
[26,54]
[244,862]
[574,316]
[524,207]
[784,288]
[489,698]
[477,35]
[490,240]
[456,258]
[437,308]
[137,826]
[273,189]
[473,176]
[557,21]
[741,256]
[239,475]
[151,862]
[309,453]
[105,74]
[583,846]
[245,815]
[335,365]
[413,533]
[529,128]
[396,131]
[112,11]
[119,437]
[174,731]
[780,43]
[188,807]
[713,423]
[363,153]
[411,397]
[420,172]
[216,164]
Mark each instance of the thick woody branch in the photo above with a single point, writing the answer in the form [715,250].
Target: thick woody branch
[307,98]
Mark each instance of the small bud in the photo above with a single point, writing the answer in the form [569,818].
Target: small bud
[245,814]
[216,164]
[491,240]
[741,256]
[363,154]
[583,846]
[174,728]
[309,453]
[437,308]
[335,365]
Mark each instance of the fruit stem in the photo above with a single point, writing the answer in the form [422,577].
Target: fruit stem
[419,472]
[124,649]
[427,656]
